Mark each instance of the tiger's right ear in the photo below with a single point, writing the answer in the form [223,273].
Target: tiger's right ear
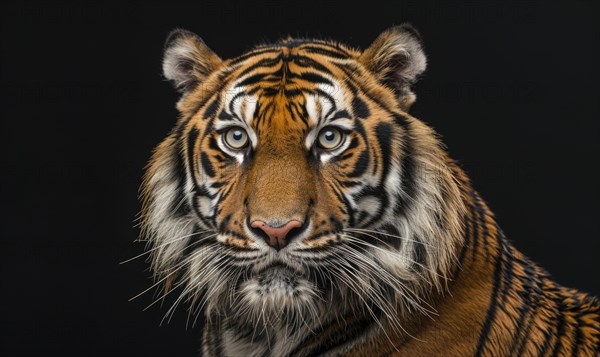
[187,60]
[396,57]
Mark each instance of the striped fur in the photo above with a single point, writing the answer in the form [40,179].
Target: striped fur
[396,253]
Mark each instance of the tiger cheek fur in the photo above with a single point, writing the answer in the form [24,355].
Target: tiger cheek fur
[303,211]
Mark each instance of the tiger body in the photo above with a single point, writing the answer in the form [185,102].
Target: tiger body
[377,245]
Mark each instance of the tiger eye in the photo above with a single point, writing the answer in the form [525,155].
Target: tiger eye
[236,138]
[330,138]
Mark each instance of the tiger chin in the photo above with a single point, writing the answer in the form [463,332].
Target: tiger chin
[301,210]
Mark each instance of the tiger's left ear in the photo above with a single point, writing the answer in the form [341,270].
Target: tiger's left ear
[187,60]
[396,57]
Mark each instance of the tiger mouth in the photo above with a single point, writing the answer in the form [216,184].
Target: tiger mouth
[278,274]
[278,267]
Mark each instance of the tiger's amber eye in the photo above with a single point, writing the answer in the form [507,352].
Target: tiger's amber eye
[236,138]
[330,138]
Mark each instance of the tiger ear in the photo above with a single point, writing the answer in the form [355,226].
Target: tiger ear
[396,57]
[187,60]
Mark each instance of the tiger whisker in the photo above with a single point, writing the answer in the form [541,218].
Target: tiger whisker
[182,282]
[171,241]
[196,286]
[184,294]
[384,305]
[173,269]
[385,276]
[364,231]
[382,274]
[366,305]
[359,241]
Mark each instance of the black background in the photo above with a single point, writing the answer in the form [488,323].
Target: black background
[512,88]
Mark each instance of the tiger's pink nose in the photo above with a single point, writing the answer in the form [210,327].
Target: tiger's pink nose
[276,234]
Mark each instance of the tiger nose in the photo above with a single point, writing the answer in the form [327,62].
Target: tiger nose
[276,234]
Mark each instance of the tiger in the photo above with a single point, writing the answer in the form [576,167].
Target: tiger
[298,209]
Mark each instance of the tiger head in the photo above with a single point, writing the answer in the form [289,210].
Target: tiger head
[295,185]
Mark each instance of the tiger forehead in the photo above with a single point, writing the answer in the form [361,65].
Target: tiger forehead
[289,86]
[302,112]
[289,71]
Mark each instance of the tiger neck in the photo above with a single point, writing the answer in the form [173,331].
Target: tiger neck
[327,336]
[464,311]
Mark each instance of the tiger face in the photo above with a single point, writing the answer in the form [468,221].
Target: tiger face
[295,185]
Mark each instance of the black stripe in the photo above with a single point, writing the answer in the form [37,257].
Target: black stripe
[487,324]
[349,71]
[217,184]
[508,278]
[560,329]
[466,242]
[252,54]
[224,116]
[232,102]
[529,286]
[211,109]
[348,333]
[343,157]
[221,79]
[251,80]
[191,142]
[332,340]
[578,323]
[396,241]
[296,112]
[270,91]
[306,62]
[353,143]
[481,223]
[475,221]
[361,216]
[483,216]
[315,78]
[212,143]
[201,191]
[381,195]
[207,165]
[292,92]
[224,223]
[384,136]
[179,206]
[349,184]
[326,52]
[548,332]
[348,207]
[263,63]
[408,166]
[361,164]
[360,108]
[548,335]
[322,93]
[340,114]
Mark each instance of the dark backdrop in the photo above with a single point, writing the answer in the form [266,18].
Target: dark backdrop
[512,88]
